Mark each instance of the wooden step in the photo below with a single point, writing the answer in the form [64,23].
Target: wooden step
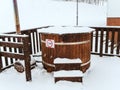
[67,64]
[71,75]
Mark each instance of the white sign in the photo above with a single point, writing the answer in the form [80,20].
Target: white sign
[50,43]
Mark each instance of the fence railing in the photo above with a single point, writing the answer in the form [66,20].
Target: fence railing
[33,37]
[12,48]
[106,41]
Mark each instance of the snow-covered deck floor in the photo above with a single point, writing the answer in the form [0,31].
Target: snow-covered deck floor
[103,75]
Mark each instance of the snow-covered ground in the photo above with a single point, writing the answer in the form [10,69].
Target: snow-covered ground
[104,71]
[103,75]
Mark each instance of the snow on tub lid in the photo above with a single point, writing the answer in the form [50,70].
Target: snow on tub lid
[66,30]
[66,60]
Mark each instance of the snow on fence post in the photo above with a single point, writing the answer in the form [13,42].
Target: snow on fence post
[26,48]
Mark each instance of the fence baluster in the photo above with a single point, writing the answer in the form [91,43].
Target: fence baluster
[91,41]
[118,43]
[30,43]
[101,43]
[106,41]
[34,42]
[112,41]
[96,41]
[37,41]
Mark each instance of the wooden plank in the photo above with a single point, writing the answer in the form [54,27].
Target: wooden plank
[106,41]
[12,35]
[40,41]
[11,44]
[73,79]
[68,66]
[28,32]
[37,41]
[112,42]
[96,41]
[92,41]
[12,55]
[101,42]
[118,43]
[26,49]
[34,49]
[30,43]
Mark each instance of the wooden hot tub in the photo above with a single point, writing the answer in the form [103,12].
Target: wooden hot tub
[65,42]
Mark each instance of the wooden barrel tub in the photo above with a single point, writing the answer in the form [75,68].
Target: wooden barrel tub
[68,44]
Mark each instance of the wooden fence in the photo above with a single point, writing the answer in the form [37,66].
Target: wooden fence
[13,48]
[33,37]
[106,41]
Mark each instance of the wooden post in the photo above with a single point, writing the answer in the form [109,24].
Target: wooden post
[26,49]
[16,16]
